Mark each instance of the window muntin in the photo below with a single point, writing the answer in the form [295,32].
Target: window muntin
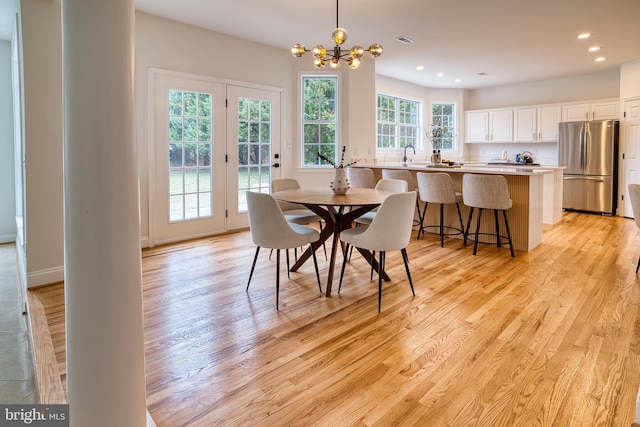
[444,115]
[398,122]
[319,119]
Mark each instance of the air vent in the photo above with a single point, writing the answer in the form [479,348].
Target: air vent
[404,40]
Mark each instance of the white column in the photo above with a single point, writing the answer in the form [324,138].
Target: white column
[103,285]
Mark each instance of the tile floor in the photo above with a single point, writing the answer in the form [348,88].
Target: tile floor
[17,380]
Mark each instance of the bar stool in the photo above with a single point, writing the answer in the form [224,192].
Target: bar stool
[438,188]
[407,176]
[486,192]
[361,178]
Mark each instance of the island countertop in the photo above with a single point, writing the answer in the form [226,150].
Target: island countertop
[516,169]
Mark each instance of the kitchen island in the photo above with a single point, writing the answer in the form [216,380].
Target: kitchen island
[525,188]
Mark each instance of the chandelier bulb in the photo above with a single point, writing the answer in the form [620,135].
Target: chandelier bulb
[335,62]
[298,50]
[353,63]
[339,35]
[319,62]
[319,51]
[356,51]
[375,50]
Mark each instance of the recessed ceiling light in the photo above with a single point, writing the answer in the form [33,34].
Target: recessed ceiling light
[440,74]
[458,80]
[594,48]
[482,73]
[420,67]
[600,59]
[584,35]
[404,40]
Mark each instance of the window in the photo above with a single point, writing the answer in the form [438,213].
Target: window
[443,115]
[398,122]
[189,148]
[319,119]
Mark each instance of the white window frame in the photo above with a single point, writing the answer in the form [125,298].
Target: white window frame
[302,121]
[456,148]
[419,146]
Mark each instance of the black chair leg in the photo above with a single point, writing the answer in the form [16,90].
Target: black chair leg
[278,277]
[638,266]
[253,266]
[380,270]
[460,218]
[288,272]
[424,211]
[495,215]
[344,264]
[506,224]
[373,256]
[441,225]
[475,244]
[405,258]
[315,264]
[323,245]
[466,234]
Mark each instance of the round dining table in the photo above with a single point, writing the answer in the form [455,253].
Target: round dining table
[338,212]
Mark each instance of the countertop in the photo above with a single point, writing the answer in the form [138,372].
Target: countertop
[516,169]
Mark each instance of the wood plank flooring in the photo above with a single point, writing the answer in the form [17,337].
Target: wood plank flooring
[548,338]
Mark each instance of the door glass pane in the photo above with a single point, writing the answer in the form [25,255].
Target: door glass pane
[190,154]
[254,148]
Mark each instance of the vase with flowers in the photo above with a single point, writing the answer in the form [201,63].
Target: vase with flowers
[436,135]
[340,183]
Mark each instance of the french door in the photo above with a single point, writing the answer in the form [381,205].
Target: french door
[210,142]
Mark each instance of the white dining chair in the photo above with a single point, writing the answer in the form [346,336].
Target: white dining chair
[270,229]
[391,185]
[390,230]
[407,176]
[295,213]
[634,194]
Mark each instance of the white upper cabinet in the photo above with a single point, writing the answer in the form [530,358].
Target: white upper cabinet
[536,124]
[501,126]
[477,126]
[591,111]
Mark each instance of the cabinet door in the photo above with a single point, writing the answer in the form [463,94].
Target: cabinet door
[605,111]
[548,119]
[575,113]
[477,127]
[524,129]
[501,126]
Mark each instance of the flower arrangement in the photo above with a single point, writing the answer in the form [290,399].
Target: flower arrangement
[340,165]
[436,135]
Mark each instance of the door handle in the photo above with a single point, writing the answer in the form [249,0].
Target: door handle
[276,165]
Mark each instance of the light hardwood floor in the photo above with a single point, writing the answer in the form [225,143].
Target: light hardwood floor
[548,338]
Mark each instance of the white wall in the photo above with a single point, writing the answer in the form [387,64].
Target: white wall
[7,174]
[630,80]
[42,65]
[601,85]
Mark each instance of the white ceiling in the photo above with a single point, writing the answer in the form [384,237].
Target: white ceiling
[512,41]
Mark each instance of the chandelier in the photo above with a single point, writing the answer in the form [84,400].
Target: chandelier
[351,57]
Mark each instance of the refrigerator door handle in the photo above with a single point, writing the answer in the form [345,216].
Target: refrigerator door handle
[588,178]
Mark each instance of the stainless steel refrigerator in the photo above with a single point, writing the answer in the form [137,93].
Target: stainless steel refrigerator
[589,150]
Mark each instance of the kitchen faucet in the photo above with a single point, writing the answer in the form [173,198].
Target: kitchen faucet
[404,159]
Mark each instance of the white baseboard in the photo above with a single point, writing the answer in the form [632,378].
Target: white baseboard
[45,277]
[7,238]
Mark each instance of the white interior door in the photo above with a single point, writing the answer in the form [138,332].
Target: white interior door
[254,141]
[630,138]
[188,139]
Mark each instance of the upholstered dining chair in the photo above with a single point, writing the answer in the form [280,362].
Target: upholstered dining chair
[407,176]
[634,194]
[295,213]
[270,229]
[437,187]
[390,230]
[361,178]
[486,192]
